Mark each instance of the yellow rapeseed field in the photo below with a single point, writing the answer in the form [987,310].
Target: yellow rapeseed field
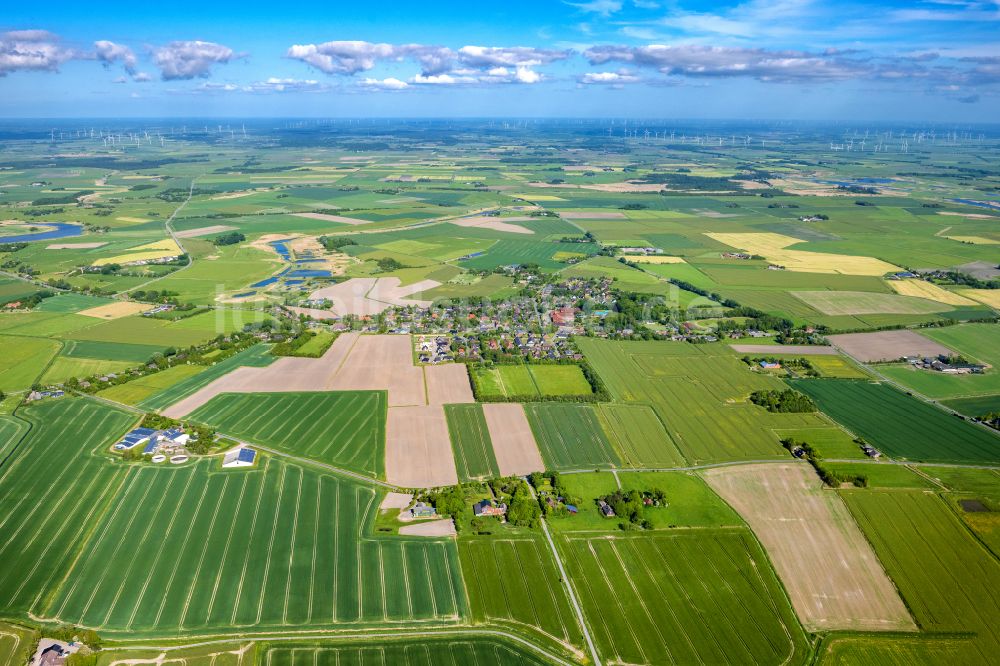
[928,290]
[772,247]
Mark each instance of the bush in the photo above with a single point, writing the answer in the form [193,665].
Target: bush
[783,402]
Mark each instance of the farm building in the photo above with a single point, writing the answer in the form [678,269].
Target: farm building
[487,507]
[423,510]
[135,438]
[770,365]
[241,457]
[605,509]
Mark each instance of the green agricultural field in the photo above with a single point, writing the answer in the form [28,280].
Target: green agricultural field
[882,475]
[71,302]
[625,277]
[417,651]
[699,393]
[514,580]
[829,441]
[976,342]
[237,266]
[277,546]
[706,597]
[900,425]
[53,491]
[257,356]
[949,581]
[24,360]
[343,428]
[974,406]
[111,351]
[161,332]
[530,380]
[637,436]
[470,442]
[12,429]
[64,367]
[17,644]
[507,252]
[136,391]
[570,436]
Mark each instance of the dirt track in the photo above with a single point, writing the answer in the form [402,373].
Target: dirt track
[513,442]
[832,575]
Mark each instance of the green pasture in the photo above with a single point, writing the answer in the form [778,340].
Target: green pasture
[470,442]
[900,425]
[569,436]
[341,428]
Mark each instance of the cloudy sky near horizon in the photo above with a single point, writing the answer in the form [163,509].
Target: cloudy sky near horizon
[921,60]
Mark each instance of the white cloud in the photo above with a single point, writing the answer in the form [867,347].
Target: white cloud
[602,7]
[110,53]
[32,50]
[190,59]
[508,56]
[721,61]
[609,78]
[389,83]
[343,57]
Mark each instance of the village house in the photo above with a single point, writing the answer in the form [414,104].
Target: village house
[488,507]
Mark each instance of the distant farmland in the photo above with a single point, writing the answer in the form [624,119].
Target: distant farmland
[343,428]
[900,425]
[470,442]
[419,652]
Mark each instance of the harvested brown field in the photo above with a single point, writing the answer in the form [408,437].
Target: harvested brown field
[592,215]
[448,384]
[445,527]
[494,223]
[74,246]
[332,218]
[115,310]
[382,362]
[370,296]
[886,345]
[395,501]
[417,448]
[513,442]
[810,350]
[204,231]
[830,571]
[625,187]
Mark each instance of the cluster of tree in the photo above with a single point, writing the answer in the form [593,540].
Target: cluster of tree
[955,277]
[687,286]
[857,189]
[31,300]
[787,401]
[12,247]
[68,198]
[633,206]
[142,186]
[684,181]
[67,633]
[522,509]
[992,419]
[387,264]
[630,506]
[333,243]
[801,363]
[830,477]
[180,194]
[232,238]
[155,296]
[862,202]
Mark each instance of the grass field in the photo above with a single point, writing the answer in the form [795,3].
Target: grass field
[706,597]
[515,580]
[137,390]
[949,581]
[570,436]
[256,356]
[861,303]
[24,360]
[637,436]
[900,425]
[699,393]
[341,428]
[426,651]
[64,367]
[12,429]
[52,491]
[17,643]
[530,380]
[112,351]
[470,442]
[277,546]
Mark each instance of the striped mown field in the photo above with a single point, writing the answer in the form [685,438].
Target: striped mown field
[515,580]
[275,546]
[709,597]
[342,428]
[470,442]
[414,652]
[569,436]
[52,491]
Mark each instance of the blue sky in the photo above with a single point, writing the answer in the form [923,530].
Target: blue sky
[934,60]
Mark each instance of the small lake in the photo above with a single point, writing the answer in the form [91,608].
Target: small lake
[61,230]
[979,204]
